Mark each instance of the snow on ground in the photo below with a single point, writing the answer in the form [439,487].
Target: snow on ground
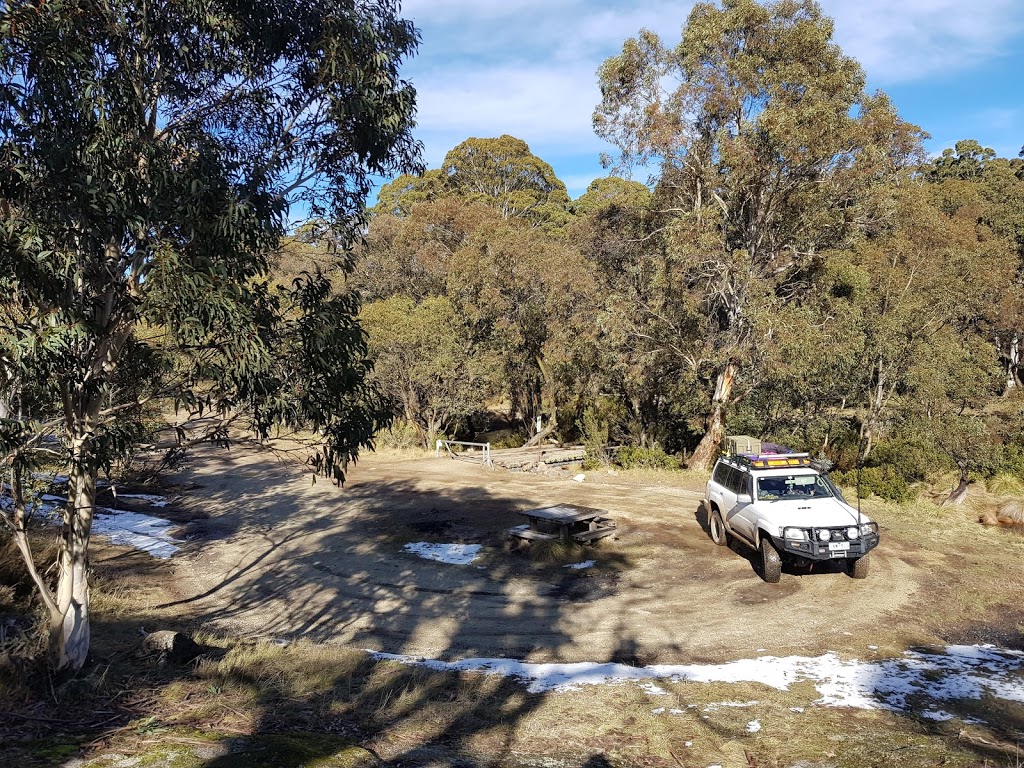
[130,529]
[150,534]
[959,672]
[453,554]
[581,566]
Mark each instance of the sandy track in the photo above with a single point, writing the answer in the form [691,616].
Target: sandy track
[279,556]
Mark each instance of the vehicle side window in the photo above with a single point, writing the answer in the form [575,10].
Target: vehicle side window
[738,481]
[720,474]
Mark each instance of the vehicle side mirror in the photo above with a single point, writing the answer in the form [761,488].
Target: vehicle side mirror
[743,498]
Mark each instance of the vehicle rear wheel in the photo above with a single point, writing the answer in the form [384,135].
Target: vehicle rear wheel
[717,528]
[771,563]
[858,569]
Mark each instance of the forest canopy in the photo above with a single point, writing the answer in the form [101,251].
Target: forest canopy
[796,268]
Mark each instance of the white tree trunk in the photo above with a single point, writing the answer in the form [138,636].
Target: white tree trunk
[69,625]
[5,394]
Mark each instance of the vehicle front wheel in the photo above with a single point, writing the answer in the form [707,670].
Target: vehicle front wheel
[858,569]
[771,563]
[717,528]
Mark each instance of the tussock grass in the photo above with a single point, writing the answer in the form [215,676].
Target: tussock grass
[558,552]
[1005,485]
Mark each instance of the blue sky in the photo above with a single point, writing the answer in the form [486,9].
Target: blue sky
[528,68]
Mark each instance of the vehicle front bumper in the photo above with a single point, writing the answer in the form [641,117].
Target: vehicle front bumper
[821,550]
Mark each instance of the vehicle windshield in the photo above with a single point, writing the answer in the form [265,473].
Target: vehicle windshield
[792,487]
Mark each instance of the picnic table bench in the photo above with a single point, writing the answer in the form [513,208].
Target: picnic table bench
[564,522]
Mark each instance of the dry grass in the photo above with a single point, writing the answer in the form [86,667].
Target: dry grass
[1005,485]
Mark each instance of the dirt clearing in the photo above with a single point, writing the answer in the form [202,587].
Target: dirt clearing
[280,556]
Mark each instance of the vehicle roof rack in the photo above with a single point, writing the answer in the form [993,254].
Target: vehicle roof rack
[773,460]
[766,455]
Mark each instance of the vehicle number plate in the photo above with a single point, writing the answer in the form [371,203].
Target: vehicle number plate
[838,546]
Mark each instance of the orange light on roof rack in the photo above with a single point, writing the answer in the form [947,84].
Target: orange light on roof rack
[773,460]
[766,462]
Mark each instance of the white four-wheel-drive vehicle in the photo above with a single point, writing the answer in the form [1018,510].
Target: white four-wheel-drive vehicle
[787,509]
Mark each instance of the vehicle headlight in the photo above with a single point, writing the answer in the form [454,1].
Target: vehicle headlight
[824,535]
[869,528]
[796,534]
[852,532]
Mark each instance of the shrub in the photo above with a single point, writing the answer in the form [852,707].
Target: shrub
[402,435]
[505,438]
[884,482]
[594,430]
[635,457]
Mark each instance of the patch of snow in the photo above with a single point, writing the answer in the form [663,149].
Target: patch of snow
[937,715]
[798,710]
[579,478]
[150,534]
[687,743]
[453,554]
[658,711]
[872,647]
[654,690]
[131,529]
[753,726]
[581,566]
[960,672]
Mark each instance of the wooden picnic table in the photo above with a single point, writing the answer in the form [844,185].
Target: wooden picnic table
[564,522]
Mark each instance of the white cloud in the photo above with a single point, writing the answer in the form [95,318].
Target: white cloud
[914,39]
[528,67]
[539,105]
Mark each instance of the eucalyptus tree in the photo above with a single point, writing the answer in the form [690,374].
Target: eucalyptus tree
[425,360]
[973,179]
[150,155]
[767,148]
[503,172]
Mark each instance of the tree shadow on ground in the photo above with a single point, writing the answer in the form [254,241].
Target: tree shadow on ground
[375,596]
[297,703]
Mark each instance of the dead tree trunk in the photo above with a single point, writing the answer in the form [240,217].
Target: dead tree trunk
[548,403]
[714,426]
[1013,364]
[959,494]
